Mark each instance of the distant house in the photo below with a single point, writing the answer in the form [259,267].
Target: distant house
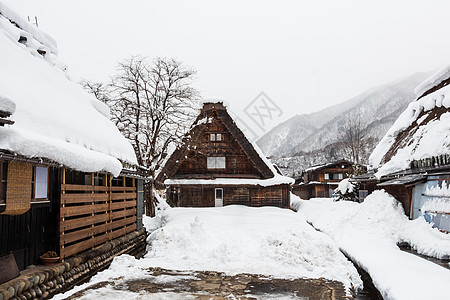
[320,181]
[412,161]
[216,165]
[63,187]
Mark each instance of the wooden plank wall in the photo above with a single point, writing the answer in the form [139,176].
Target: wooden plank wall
[91,215]
[197,196]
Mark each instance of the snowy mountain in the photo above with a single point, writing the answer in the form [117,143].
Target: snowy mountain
[309,139]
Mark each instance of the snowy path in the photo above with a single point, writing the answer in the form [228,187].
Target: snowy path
[397,274]
[268,241]
[368,234]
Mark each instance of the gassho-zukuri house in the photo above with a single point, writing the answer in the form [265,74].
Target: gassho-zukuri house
[412,161]
[217,165]
[69,180]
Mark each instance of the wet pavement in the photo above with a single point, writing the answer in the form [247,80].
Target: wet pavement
[216,285]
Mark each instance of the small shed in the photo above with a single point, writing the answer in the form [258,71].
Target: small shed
[217,165]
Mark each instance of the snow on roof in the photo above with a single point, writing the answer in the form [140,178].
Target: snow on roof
[277,177]
[28,28]
[434,80]
[54,117]
[316,167]
[7,106]
[428,139]
[276,180]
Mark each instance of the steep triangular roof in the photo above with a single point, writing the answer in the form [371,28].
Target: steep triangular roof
[218,110]
[54,117]
[421,132]
[326,165]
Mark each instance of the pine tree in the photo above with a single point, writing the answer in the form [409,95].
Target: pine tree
[347,190]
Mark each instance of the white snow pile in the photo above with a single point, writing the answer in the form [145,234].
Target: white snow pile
[368,233]
[345,186]
[7,106]
[431,139]
[233,239]
[54,117]
[434,80]
[239,239]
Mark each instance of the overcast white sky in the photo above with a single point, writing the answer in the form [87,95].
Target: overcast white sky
[305,55]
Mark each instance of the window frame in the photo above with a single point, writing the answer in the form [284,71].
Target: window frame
[212,163]
[338,176]
[33,186]
[215,137]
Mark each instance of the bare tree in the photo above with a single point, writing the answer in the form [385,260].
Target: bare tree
[152,104]
[355,142]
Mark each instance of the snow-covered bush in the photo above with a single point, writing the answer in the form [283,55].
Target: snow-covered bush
[347,190]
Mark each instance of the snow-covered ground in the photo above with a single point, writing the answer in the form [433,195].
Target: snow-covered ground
[368,233]
[239,239]
[232,239]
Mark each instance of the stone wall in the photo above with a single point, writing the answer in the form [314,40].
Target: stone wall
[42,282]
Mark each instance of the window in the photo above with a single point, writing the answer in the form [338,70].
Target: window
[40,183]
[362,195]
[4,175]
[327,176]
[217,162]
[78,178]
[338,176]
[117,181]
[215,137]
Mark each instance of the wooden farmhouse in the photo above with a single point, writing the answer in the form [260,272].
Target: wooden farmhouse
[69,179]
[216,165]
[412,161]
[320,181]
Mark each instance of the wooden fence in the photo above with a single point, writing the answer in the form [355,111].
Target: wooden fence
[91,215]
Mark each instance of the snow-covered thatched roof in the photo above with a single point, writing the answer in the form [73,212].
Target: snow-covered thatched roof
[422,131]
[267,171]
[54,117]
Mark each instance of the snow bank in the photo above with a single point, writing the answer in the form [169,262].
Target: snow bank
[54,117]
[431,139]
[239,239]
[233,239]
[368,233]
